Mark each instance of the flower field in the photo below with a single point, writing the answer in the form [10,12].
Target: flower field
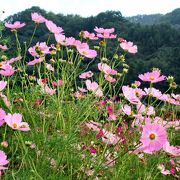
[61,120]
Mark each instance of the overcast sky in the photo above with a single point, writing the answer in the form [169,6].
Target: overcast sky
[87,8]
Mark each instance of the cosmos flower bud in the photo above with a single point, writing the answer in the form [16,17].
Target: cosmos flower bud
[125,70]
[104,60]
[170,79]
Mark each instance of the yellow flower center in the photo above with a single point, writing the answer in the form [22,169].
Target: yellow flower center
[84,52]
[14,125]
[151,78]
[152,136]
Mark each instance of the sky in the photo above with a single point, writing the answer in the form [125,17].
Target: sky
[86,8]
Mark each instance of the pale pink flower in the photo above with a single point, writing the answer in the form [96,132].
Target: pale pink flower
[47,90]
[110,138]
[173,150]
[127,109]
[142,109]
[37,18]
[87,35]
[102,30]
[105,33]
[82,90]
[15,122]
[2,85]
[176,96]
[40,49]
[7,70]
[16,25]
[52,27]
[49,67]
[109,78]
[130,95]
[3,47]
[153,92]
[106,69]
[94,87]
[3,160]
[137,83]
[2,116]
[61,39]
[95,126]
[128,46]
[12,60]
[153,137]
[89,53]
[86,75]
[152,77]
[163,170]
[35,61]
[5,99]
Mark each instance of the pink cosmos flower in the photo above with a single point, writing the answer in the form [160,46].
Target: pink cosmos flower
[2,85]
[109,78]
[86,75]
[37,18]
[127,109]
[3,47]
[173,150]
[12,60]
[15,122]
[87,35]
[47,90]
[153,92]
[106,69]
[7,70]
[89,53]
[52,27]
[94,87]
[16,25]
[153,137]
[152,77]
[131,95]
[40,49]
[49,67]
[105,33]
[5,99]
[128,46]
[3,160]
[2,116]
[35,61]
[82,90]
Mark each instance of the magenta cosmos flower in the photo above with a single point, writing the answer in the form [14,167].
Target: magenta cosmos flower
[152,77]
[128,46]
[16,25]
[37,18]
[153,137]
[3,160]
[15,122]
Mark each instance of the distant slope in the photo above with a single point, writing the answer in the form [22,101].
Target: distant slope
[172,18]
[145,19]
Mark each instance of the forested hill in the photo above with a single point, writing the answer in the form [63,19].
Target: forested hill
[172,18]
[158,44]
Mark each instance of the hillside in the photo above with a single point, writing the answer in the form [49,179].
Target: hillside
[158,44]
